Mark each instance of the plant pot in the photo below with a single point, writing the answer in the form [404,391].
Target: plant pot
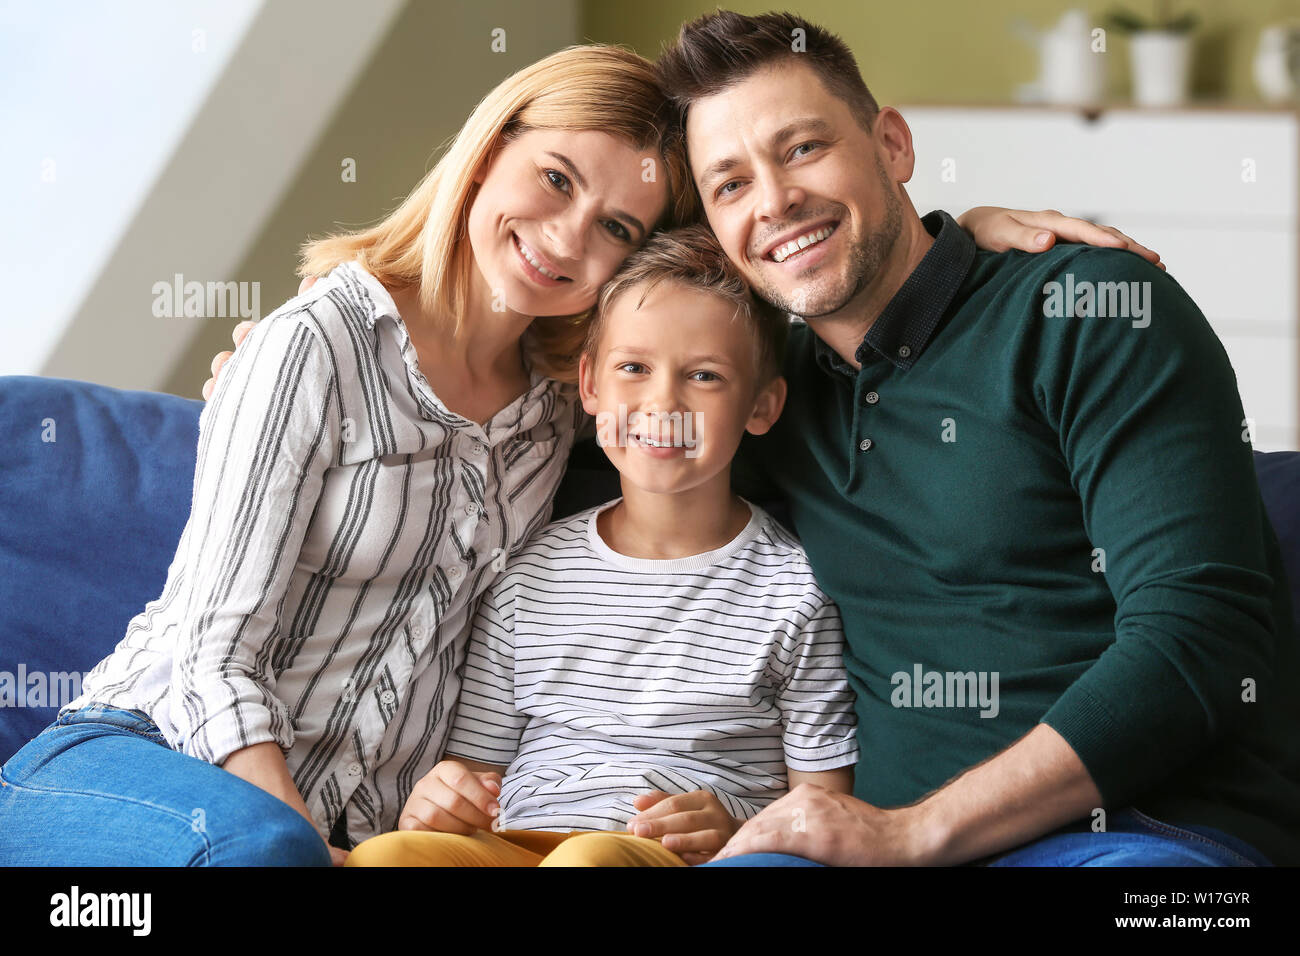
[1161,67]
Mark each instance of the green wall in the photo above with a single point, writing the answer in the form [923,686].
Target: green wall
[964,50]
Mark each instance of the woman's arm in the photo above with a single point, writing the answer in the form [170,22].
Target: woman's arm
[265,442]
[998,229]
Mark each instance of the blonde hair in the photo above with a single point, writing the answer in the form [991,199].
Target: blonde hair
[424,240]
[693,258]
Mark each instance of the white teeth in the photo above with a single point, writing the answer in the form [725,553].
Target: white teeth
[532,260]
[781,253]
[653,443]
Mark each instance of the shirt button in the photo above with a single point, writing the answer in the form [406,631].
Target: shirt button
[354,770]
[872,398]
[471,509]
[865,444]
[479,448]
[387,697]
[904,351]
[453,572]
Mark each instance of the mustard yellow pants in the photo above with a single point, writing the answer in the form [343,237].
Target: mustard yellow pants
[511,848]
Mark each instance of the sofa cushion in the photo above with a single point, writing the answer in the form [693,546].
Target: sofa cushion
[95,488]
[1279,483]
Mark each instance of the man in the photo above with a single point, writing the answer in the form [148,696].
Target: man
[1066,618]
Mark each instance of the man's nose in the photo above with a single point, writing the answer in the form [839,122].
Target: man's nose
[777,196]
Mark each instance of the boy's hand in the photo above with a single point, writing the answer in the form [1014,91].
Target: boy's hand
[452,798]
[238,335]
[694,825]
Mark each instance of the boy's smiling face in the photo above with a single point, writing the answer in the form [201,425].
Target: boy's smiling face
[673,387]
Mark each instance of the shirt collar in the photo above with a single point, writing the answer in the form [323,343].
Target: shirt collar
[903,329]
[522,414]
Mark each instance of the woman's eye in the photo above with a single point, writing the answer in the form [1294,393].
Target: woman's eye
[552,175]
[621,232]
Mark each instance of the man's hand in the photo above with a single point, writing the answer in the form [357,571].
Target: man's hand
[452,798]
[338,857]
[834,829]
[998,229]
[239,333]
[694,825]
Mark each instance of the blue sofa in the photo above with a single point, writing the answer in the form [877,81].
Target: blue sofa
[95,487]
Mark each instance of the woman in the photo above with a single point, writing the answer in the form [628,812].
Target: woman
[378,446]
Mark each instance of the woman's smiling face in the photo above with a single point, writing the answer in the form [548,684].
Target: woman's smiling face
[555,214]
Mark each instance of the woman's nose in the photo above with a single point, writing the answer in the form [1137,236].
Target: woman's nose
[565,235]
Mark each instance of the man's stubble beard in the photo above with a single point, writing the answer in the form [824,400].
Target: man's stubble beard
[866,258]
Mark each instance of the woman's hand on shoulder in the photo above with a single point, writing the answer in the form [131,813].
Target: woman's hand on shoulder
[998,229]
[238,335]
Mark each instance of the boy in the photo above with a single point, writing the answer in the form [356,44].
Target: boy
[672,641]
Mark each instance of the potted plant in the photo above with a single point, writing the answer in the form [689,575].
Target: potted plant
[1160,50]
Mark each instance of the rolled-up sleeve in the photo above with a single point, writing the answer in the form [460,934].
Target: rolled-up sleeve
[266,440]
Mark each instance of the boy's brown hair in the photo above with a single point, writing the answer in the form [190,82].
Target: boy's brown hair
[691,256]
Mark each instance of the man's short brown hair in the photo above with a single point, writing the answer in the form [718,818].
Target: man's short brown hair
[719,49]
[691,257]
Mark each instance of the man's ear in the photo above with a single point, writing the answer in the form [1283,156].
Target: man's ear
[893,142]
[767,406]
[587,384]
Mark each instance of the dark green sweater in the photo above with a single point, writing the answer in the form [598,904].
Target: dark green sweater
[1062,501]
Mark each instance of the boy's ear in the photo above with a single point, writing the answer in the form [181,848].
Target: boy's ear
[586,384]
[767,406]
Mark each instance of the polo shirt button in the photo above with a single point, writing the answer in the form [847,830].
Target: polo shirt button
[387,697]
[865,444]
[471,509]
[453,572]
[872,398]
[354,770]
[904,351]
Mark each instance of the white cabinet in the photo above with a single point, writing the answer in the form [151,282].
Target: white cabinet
[1214,191]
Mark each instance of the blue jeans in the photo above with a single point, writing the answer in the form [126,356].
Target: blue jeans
[101,787]
[1131,839]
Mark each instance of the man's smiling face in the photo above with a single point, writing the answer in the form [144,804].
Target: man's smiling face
[779,159]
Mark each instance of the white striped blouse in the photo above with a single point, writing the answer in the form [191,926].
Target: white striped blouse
[593,677]
[344,523]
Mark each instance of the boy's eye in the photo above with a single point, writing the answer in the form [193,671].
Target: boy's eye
[707,376]
[631,367]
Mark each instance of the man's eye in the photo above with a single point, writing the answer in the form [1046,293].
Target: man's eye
[802,145]
[723,190]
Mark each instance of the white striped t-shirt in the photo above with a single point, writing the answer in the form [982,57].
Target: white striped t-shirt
[593,676]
